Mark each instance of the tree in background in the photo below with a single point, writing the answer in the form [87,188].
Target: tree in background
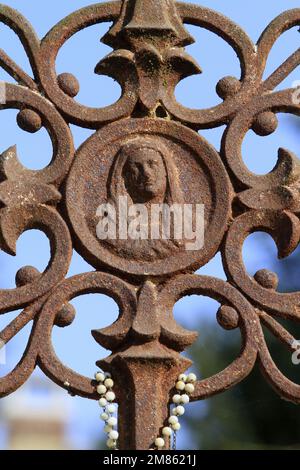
[251,415]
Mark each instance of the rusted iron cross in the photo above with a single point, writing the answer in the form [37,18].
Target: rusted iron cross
[147,126]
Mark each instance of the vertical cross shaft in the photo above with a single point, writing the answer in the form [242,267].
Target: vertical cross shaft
[144,375]
[145,368]
[147,21]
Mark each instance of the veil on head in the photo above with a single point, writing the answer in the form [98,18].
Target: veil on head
[116,186]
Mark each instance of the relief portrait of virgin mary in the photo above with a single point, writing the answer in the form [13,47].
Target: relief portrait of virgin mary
[144,172]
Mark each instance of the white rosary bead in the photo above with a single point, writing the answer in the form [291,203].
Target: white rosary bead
[99,377]
[110,396]
[112,421]
[180,385]
[104,388]
[111,444]
[173,420]
[104,416]
[183,384]
[191,378]
[159,442]
[177,399]
[167,431]
[184,399]
[182,377]
[109,383]
[189,388]
[101,389]
[180,410]
[114,435]
[111,408]
[176,426]
[103,402]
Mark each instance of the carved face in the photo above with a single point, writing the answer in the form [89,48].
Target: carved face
[145,175]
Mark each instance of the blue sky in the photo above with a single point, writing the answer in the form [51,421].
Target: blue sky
[74,345]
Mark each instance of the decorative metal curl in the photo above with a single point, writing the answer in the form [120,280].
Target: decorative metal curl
[149,61]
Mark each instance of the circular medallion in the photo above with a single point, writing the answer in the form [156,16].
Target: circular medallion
[148,197]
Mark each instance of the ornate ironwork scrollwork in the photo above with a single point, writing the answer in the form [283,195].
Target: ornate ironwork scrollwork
[146,280]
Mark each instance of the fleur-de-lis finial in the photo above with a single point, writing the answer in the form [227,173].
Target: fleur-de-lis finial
[149,36]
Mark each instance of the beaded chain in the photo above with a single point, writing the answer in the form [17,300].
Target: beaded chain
[184,386]
[107,397]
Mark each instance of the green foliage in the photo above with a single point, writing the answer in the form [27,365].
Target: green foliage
[250,415]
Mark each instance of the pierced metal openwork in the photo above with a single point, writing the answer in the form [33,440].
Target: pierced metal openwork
[146,279]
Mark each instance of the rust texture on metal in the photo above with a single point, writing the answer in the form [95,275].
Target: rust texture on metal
[146,279]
